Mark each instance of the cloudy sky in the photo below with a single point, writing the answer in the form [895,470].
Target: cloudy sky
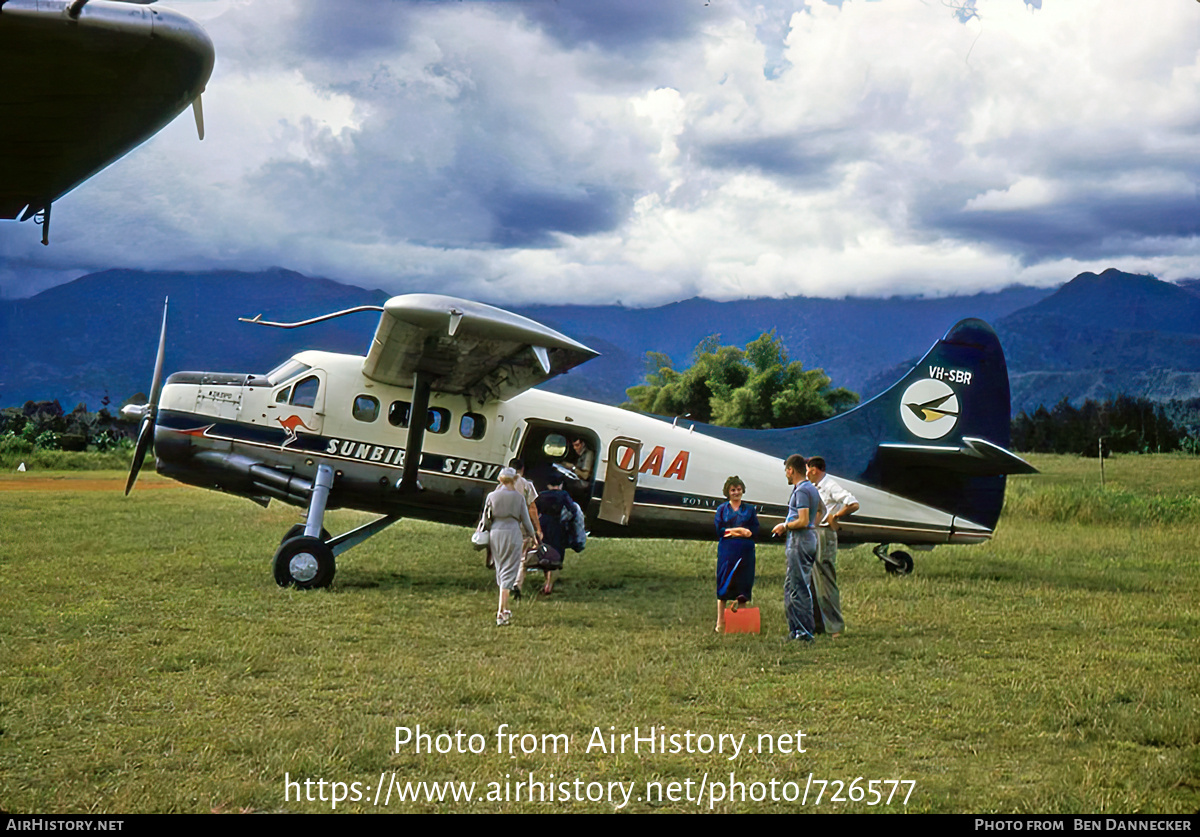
[644,152]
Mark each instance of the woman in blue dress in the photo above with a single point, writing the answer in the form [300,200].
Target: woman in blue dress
[737,525]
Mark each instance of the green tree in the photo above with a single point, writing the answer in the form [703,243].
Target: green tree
[756,387]
[1126,424]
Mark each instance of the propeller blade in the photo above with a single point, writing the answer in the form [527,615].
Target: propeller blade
[145,438]
[156,385]
[198,112]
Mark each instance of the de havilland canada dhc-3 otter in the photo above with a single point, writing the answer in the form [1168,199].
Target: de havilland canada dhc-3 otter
[421,426]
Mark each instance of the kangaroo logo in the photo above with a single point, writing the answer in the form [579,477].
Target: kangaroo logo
[929,408]
[290,424]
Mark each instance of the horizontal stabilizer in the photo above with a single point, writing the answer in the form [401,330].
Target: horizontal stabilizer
[973,457]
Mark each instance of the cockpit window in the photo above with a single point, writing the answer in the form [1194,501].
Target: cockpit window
[305,392]
[290,368]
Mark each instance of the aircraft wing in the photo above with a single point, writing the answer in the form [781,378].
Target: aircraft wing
[83,85]
[466,348]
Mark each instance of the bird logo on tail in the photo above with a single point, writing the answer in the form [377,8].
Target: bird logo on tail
[929,409]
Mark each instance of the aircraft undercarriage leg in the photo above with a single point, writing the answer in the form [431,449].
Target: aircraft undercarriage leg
[306,558]
[307,561]
[897,562]
[316,505]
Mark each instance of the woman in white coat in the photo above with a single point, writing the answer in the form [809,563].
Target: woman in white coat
[506,517]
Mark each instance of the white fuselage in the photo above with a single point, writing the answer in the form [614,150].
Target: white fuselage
[354,424]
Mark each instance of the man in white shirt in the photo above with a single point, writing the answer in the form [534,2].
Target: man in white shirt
[838,503]
[530,494]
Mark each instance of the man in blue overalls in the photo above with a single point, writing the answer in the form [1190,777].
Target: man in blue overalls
[801,549]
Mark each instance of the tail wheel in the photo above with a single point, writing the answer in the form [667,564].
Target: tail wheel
[898,563]
[304,563]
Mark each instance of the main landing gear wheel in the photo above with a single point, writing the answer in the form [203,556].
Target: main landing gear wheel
[898,563]
[298,530]
[304,563]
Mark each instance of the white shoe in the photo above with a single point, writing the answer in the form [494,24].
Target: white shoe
[503,618]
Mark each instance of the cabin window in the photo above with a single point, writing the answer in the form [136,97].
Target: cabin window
[627,458]
[439,420]
[366,408]
[472,426]
[555,446]
[282,397]
[305,393]
[398,413]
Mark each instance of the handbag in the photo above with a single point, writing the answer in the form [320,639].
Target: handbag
[543,557]
[479,538]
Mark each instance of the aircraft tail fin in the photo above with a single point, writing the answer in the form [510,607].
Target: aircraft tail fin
[939,436]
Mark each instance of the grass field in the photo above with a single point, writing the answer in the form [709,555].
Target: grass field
[148,662]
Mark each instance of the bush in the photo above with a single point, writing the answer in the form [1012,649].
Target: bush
[61,460]
[11,443]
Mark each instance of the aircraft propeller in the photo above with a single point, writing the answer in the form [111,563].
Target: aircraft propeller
[147,412]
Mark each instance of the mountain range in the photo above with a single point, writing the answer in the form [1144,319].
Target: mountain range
[1095,336]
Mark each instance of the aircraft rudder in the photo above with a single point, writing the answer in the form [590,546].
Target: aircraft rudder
[950,427]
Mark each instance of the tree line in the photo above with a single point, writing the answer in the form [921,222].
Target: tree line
[44,425]
[1121,424]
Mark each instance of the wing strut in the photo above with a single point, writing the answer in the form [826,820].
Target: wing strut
[418,417]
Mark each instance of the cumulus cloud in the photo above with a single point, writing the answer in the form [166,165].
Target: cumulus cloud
[647,152]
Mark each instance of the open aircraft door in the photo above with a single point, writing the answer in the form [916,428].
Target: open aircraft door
[620,480]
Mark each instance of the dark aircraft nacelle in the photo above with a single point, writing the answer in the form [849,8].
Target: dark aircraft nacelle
[83,86]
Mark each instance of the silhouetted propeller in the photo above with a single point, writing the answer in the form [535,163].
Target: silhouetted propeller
[147,412]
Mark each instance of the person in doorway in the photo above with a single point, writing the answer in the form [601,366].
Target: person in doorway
[585,462]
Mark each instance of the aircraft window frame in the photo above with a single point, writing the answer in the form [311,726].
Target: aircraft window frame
[296,393]
[396,420]
[558,451]
[477,426]
[439,420]
[365,408]
[287,370]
